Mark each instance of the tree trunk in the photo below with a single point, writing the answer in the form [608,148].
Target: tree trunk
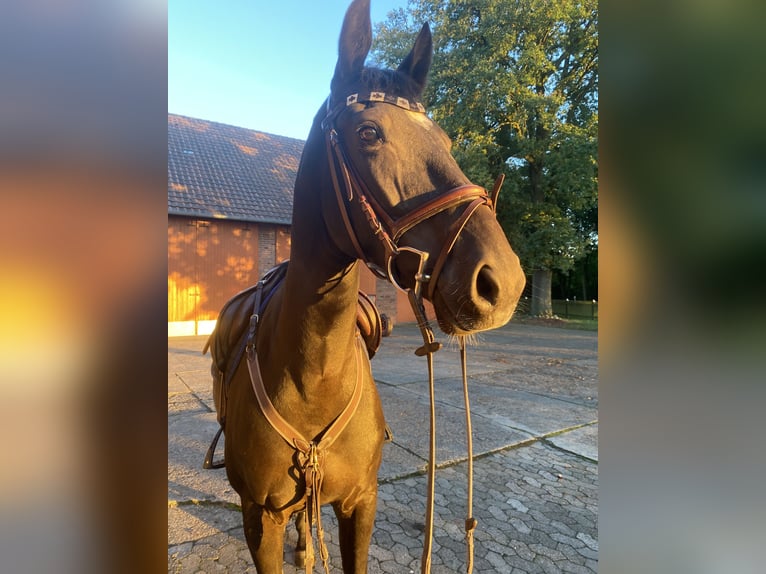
[541,293]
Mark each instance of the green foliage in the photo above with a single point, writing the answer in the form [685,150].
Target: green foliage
[515,85]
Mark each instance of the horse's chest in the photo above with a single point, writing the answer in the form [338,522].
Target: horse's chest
[282,488]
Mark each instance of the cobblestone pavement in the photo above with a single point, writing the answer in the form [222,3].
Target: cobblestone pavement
[535,475]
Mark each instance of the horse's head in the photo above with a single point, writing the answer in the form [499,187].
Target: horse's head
[408,209]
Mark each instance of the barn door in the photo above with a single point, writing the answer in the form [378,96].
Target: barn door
[184,281]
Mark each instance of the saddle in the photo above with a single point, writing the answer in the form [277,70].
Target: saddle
[237,318]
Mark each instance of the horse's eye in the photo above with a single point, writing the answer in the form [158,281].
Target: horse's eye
[368,134]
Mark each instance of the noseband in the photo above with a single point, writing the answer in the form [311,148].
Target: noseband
[386,229]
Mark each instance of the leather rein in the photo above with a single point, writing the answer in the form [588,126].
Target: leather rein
[350,187]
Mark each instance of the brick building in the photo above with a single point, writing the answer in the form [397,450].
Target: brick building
[230,196]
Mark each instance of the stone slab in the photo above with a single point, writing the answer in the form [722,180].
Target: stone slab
[582,441]
[407,413]
[189,436]
[191,522]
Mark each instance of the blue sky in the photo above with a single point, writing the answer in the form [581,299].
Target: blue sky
[259,64]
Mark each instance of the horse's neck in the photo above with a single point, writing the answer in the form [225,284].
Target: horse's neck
[313,337]
[318,309]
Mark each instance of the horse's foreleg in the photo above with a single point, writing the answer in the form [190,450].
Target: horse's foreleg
[300,548]
[355,531]
[265,538]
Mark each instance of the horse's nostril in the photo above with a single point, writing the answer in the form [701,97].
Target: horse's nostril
[486,286]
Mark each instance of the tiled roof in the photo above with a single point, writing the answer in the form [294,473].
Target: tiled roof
[221,171]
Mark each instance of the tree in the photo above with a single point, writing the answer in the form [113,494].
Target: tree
[515,85]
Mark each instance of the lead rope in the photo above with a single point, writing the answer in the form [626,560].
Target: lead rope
[428,349]
[429,527]
[430,346]
[470,521]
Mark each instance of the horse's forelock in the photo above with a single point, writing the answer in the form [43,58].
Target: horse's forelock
[391,82]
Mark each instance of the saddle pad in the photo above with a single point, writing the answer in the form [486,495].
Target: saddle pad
[230,331]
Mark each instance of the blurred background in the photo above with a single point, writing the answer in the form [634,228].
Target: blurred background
[82,302]
[682,203]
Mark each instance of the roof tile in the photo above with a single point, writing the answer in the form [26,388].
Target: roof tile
[223,171]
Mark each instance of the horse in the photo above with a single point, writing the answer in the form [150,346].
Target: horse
[377,184]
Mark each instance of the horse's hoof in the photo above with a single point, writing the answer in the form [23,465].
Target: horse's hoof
[300,558]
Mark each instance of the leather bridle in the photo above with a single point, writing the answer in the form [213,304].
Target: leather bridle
[350,186]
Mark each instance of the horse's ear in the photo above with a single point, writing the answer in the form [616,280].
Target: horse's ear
[354,44]
[418,61]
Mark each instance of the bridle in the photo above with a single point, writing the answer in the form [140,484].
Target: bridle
[349,187]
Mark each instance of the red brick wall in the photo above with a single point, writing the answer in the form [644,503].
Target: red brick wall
[211,260]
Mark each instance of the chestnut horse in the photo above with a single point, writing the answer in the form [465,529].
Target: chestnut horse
[376,182]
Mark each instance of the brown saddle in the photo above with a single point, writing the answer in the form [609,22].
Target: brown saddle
[228,340]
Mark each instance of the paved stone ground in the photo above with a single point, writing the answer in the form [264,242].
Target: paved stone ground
[534,403]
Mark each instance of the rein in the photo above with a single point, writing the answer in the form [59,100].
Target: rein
[348,185]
